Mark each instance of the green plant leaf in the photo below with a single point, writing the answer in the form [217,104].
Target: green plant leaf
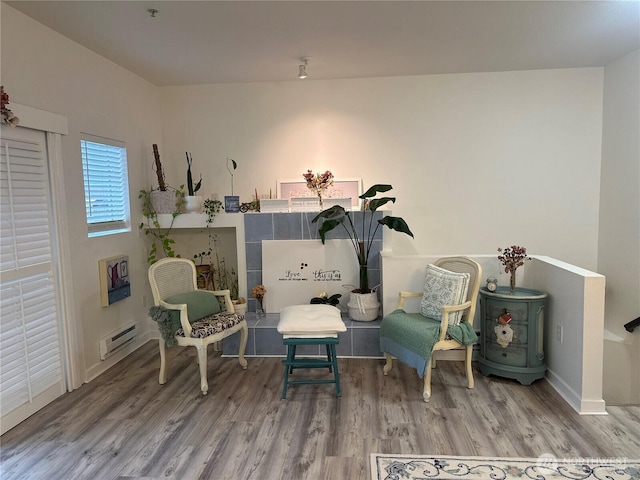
[334,212]
[376,203]
[378,188]
[396,223]
[327,226]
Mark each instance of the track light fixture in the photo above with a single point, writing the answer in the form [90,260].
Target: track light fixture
[302,68]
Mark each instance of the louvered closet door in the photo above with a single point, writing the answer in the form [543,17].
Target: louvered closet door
[31,373]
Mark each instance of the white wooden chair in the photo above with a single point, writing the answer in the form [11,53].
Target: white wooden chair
[173,281]
[443,339]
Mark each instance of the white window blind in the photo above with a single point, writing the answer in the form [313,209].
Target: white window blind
[106,187]
[30,355]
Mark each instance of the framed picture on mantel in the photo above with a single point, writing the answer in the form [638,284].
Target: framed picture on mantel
[232,203]
[344,188]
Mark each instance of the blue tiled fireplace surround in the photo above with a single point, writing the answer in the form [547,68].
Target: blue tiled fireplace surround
[361,338]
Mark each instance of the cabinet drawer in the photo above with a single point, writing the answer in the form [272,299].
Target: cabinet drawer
[520,331]
[514,356]
[519,311]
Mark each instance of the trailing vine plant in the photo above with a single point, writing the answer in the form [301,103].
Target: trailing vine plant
[211,208]
[159,236]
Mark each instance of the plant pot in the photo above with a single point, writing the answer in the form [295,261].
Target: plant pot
[240,308]
[363,307]
[204,276]
[163,201]
[193,203]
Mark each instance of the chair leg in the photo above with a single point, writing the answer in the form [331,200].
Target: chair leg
[388,364]
[244,333]
[162,378]
[426,394]
[293,355]
[287,370]
[202,360]
[469,353]
[336,375]
[330,358]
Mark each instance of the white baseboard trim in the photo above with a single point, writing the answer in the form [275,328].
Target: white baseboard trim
[580,405]
[103,366]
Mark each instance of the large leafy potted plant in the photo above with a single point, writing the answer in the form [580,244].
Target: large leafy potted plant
[362,308]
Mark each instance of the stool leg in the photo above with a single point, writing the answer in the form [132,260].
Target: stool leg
[293,355]
[285,380]
[336,375]
[329,357]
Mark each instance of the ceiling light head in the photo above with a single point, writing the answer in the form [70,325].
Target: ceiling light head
[302,68]
[152,12]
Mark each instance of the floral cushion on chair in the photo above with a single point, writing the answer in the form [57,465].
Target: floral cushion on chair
[442,287]
[212,324]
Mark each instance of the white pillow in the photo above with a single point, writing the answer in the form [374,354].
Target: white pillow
[310,321]
[442,287]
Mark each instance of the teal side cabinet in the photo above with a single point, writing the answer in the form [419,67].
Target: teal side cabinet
[513,348]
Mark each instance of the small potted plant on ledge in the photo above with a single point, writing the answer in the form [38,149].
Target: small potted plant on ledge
[193,202]
[363,304]
[164,200]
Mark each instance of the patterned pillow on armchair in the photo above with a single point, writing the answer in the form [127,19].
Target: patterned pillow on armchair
[442,287]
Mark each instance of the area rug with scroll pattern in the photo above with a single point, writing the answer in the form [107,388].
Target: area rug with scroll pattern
[545,467]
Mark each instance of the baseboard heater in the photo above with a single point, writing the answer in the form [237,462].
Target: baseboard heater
[117,340]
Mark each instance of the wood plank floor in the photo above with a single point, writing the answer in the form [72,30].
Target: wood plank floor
[123,425]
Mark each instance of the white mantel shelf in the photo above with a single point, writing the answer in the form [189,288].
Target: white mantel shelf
[199,220]
[221,220]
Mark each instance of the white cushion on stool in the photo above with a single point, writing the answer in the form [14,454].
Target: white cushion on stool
[310,321]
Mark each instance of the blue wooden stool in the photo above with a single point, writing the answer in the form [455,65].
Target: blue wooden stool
[310,325]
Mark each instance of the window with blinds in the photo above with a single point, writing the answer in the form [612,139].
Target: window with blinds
[31,373]
[106,186]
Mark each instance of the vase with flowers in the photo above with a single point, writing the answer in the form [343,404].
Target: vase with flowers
[511,258]
[318,182]
[258,292]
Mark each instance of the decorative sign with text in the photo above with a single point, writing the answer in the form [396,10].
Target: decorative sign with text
[295,271]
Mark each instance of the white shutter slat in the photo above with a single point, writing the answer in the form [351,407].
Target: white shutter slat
[30,355]
[25,235]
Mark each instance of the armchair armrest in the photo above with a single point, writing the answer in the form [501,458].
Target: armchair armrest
[446,310]
[405,295]
[226,294]
[184,318]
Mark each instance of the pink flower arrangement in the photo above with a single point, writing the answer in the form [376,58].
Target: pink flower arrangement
[318,181]
[512,257]
[258,291]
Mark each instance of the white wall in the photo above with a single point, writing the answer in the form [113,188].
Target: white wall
[619,233]
[42,69]
[477,161]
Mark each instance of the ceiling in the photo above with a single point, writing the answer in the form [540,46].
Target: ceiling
[258,41]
